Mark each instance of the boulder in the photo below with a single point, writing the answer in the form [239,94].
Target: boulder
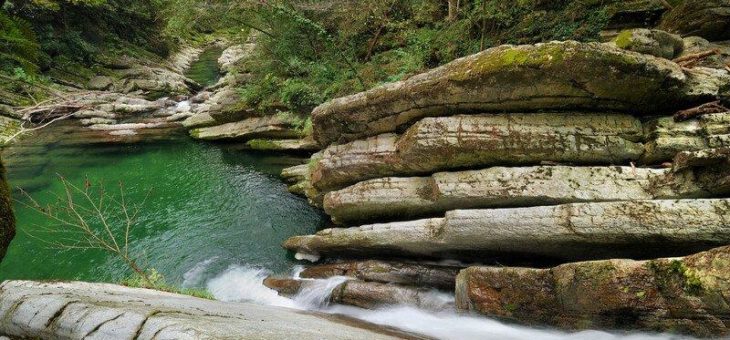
[76,310]
[577,231]
[410,274]
[654,42]
[681,295]
[250,128]
[550,76]
[709,19]
[457,142]
[402,198]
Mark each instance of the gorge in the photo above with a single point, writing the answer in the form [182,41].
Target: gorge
[543,189]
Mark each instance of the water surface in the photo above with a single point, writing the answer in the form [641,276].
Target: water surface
[209,206]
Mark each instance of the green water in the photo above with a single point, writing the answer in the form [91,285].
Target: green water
[209,207]
[205,71]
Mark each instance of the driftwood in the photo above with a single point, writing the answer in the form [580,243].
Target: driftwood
[704,109]
[691,60]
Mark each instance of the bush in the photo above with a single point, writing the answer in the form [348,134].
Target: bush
[299,96]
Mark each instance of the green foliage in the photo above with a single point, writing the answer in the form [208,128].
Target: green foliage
[18,46]
[156,281]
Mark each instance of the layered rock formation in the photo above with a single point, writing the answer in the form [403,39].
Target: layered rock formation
[535,156]
[550,76]
[78,310]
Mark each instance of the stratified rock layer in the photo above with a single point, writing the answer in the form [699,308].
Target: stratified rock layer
[635,229]
[400,198]
[550,76]
[77,310]
[435,144]
[684,295]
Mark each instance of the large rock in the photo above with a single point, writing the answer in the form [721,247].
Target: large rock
[578,231]
[411,274]
[370,295]
[683,295]
[7,218]
[250,128]
[709,19]
[442,143]
[77,310]
[401,198]
[550,76]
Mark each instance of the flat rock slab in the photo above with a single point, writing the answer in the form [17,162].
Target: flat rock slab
[467,141]
[578,231]
[77,310]
[551,76]
[250,128]
[682,295]
[400,198]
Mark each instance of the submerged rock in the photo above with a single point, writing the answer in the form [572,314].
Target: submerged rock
[680,295]
[400,198]
[550,76]
[76,310]
[578,231]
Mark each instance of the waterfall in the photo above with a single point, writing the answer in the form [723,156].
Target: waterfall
[241,284]
[315,294]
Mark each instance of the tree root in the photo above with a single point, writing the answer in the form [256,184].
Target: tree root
[691,60]
[704,109]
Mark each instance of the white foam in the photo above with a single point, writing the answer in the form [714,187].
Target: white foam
[307,257]
[243,284]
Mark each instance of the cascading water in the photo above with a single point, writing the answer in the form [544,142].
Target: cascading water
[245,284]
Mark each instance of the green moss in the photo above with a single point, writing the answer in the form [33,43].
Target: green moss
[158,283]
[263,144]
[624,39]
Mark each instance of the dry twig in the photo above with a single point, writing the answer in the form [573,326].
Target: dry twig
[704,109]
